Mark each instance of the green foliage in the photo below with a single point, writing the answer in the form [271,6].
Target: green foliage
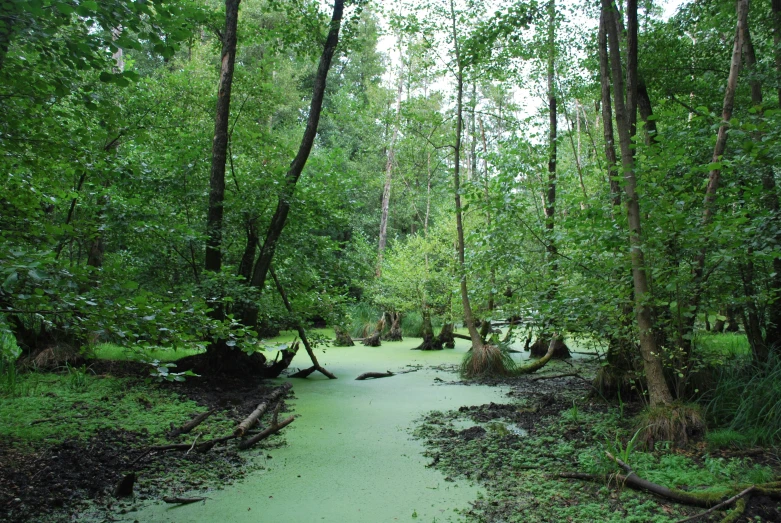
[163,372]
[746,398]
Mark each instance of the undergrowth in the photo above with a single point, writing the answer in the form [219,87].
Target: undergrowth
[520,472]
[77,403]
[746,399]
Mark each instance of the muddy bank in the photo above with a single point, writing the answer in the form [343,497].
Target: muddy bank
[75,478]
[516,449]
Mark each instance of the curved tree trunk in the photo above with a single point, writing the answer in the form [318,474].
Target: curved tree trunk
[445,336]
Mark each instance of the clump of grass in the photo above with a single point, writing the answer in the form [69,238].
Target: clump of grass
[488,361]
[747,399]
[363,319]
[727,344]
[727,438]
[676,423]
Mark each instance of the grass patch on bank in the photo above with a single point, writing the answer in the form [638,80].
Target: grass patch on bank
[112,352]
[74,404]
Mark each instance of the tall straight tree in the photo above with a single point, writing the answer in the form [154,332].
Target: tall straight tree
[626,121]
[214,219]
[391,156]
[474,335]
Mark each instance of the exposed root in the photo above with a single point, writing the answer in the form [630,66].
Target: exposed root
[677,423]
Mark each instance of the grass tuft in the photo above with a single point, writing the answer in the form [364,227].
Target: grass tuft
[747,399]
[676,423]
[489,361]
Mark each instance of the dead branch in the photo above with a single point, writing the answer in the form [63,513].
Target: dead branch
[190,425]
[261,409]
[182,501]
[273,429]
[556,376]
[374,375]
[725,503]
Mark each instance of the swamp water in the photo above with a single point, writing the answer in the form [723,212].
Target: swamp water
[350,456]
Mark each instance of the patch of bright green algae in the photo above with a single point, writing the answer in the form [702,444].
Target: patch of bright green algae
[53,407]
[350,456]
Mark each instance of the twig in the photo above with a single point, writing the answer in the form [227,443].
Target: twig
[724,503]
[193,445]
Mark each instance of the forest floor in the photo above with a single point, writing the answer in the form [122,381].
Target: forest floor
[68,438]
[72,436]
[549,425]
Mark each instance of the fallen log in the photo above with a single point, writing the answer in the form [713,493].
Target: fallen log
[374,375]
[725,503]
[632,480]
[190,425]
[261,409]
[461,336]
[556,376]
[273,429]
[182,501]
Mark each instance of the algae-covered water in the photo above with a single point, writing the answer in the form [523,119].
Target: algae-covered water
[350,456]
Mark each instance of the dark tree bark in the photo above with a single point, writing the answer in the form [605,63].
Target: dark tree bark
[214,218]
[430,342]
[776,6]
[770,201]
[626,118]
[646,111]
[445,336]
[275,228]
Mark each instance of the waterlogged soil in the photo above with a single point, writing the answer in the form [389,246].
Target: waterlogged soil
[75,478]
[516,449]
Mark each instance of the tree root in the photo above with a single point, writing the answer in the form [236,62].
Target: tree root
[540,363]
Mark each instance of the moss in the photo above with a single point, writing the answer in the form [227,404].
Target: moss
[53,408]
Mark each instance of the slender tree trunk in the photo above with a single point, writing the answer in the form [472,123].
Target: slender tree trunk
[477,342]
[607,110]
[776,6]
[770,201]
[550,197]
[260,271]
[626,118]
[714,177]
[389,169]
[214,219]
[646,112]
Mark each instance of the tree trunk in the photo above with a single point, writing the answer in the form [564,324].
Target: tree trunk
[215,213]
[394,333]
[776,6]
[646,112]
[430,342]
[260,271]
[477,342]
[626,117]
[389,169]
[445,337]
[770,202]
[343,338]
[607,113]
[550,198]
